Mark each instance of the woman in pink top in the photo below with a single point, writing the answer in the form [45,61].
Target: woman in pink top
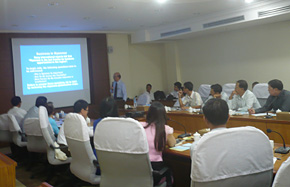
[158,135]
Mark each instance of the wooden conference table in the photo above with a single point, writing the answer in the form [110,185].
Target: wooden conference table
[194,122]
[180,163]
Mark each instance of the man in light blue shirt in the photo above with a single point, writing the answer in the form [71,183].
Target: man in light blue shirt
[118,88]
[242,99]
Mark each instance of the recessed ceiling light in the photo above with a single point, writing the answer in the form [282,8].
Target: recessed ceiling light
[53,4]
[249,1]
[161,1]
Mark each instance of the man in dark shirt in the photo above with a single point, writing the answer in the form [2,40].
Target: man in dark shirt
[278,99]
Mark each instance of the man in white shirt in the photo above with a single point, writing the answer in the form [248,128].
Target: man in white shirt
[242,99]
[148,91]
[16,111]
[216,116]
[147,97]
[192,98]
[118,88]
[80,107]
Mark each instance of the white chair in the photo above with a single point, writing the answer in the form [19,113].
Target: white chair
[229,88]
[236,157]
[204,91]
[122,151]
[5,135]
[49,138]
[261,92]
[282,178]
[15,131]
[35,140]
[143,99]
[83,159]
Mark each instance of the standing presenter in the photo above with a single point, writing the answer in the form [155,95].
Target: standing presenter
[118,88]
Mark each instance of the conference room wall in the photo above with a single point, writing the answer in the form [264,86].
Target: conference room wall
[259,53]
[138,64]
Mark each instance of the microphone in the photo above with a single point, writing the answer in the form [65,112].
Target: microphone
[281,150]
[181,135]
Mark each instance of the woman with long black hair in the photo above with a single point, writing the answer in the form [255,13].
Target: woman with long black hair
[158,136]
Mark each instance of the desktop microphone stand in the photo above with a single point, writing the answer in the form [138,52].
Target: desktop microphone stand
[268,116]
[181,135]
[281,150]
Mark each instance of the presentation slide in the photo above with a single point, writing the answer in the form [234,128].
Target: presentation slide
[53,68]
[56,68]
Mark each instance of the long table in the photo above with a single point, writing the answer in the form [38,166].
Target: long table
[7,171]
[194,122]
[180,163]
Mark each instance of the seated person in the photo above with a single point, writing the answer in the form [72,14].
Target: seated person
[80,107]
[191,99]
[108,108]
[158,135]
[216,116]
[254,84]
[242,99]
[50,111]
[278,99]
[177,88]
[148,91]
[216,92]
[144,99]
[16,111]
[33,111]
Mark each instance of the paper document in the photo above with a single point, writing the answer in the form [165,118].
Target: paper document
[274,160]
[264,114]
[180,148]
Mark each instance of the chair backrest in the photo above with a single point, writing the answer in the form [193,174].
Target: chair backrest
[15,131]
[35,140]
[229,88]
[239,156]
[49,137]
[122,150]
[78,141]
[45,126]
[143,99]
[5,135]
[204,91]
[282,178]
[261,90]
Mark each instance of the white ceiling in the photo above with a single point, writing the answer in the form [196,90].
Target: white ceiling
[121,16]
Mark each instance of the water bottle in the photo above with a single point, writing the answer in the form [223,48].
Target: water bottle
[135,102]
